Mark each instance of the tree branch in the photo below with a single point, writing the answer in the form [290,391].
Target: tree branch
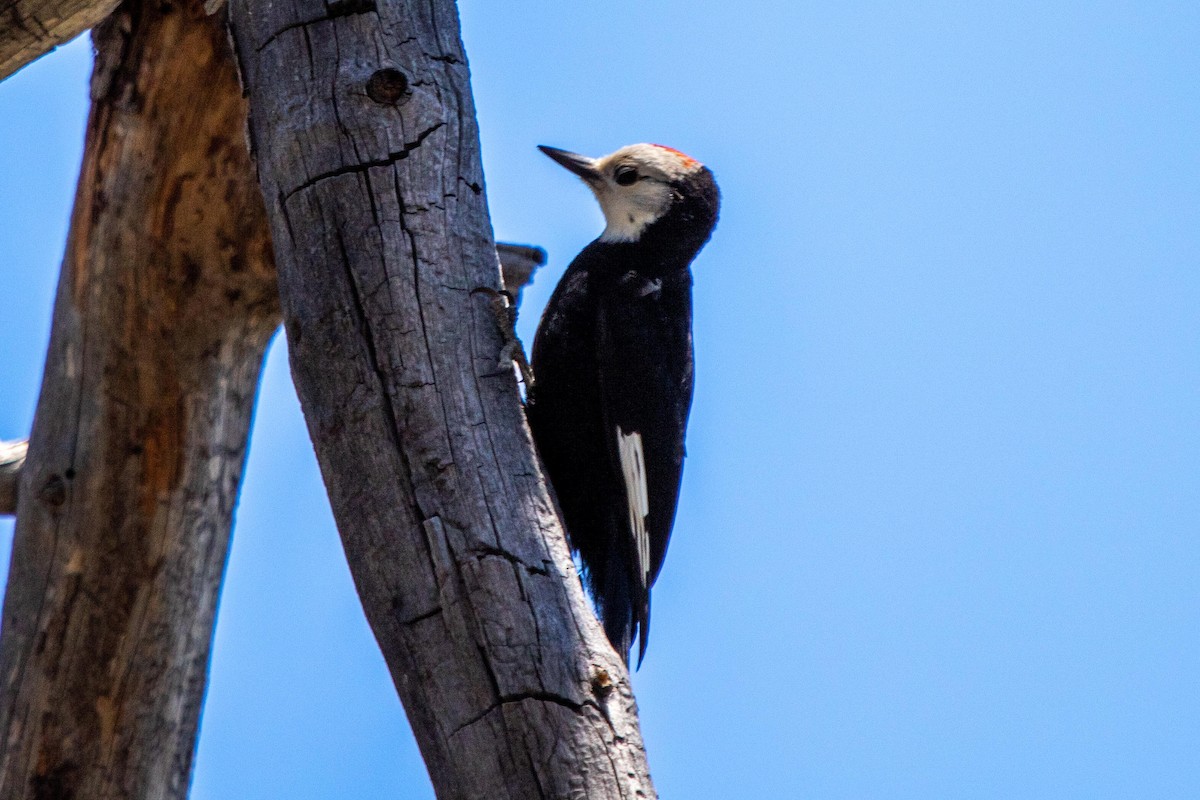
[364,133]
[165,305]
[518,262]
[31,28]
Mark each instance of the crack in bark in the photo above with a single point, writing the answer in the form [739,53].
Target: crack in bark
[287,223]
[521,697]
[363,166]
[408,623]
[345,8]
[445,59]
[368,339]
[489,551]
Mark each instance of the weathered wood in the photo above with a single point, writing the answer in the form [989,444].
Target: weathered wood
[367,149]
[12,458]
[518,262]
[31,28]
[165,305]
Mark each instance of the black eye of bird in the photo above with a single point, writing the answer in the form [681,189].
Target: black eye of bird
[625,176]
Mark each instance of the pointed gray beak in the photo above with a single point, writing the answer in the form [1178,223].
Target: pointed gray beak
[582,166]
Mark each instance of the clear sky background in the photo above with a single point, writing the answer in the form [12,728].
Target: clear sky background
[939,534]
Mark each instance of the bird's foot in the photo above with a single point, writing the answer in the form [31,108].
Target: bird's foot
[512,351]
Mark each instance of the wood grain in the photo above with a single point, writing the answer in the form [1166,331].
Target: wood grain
[364,133]
[31,28]
[165,304]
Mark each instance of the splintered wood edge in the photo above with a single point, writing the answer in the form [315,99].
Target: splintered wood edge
[518,262]
[12,458]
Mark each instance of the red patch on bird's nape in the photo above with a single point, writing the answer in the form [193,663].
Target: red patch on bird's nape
[684,158]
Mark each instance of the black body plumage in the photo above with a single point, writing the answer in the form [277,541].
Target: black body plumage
[614,373]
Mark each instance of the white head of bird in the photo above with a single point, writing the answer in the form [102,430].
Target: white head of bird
[635,186]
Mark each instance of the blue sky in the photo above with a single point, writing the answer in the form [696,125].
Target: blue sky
[938,531]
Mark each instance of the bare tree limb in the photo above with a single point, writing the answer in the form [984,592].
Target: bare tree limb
[365,138]
[165,305]
[31,28]
[518,262]
[12,458]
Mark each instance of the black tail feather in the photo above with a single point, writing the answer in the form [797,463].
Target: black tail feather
[620,634]
[643,629]
[612,591]
[622,607]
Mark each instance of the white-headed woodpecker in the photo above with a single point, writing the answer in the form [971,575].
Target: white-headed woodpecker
[613,366]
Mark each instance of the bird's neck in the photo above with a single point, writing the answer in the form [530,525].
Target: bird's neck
[666,247]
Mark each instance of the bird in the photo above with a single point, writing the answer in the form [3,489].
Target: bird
[613,366]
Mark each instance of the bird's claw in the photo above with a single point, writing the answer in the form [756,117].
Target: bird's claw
[512,351]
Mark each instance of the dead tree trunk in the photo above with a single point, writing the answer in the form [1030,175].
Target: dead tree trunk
[364,133]
[165,305]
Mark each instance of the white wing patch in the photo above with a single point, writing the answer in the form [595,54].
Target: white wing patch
[633,468]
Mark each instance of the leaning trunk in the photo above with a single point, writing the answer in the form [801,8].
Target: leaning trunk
[165,305]
[368,154]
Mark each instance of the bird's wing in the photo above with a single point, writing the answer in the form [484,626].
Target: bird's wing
[645,367]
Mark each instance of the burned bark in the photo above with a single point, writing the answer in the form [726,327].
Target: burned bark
[365,138]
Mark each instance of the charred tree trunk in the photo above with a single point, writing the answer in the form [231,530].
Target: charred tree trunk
[164,308]
[365,138]
[165,305]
